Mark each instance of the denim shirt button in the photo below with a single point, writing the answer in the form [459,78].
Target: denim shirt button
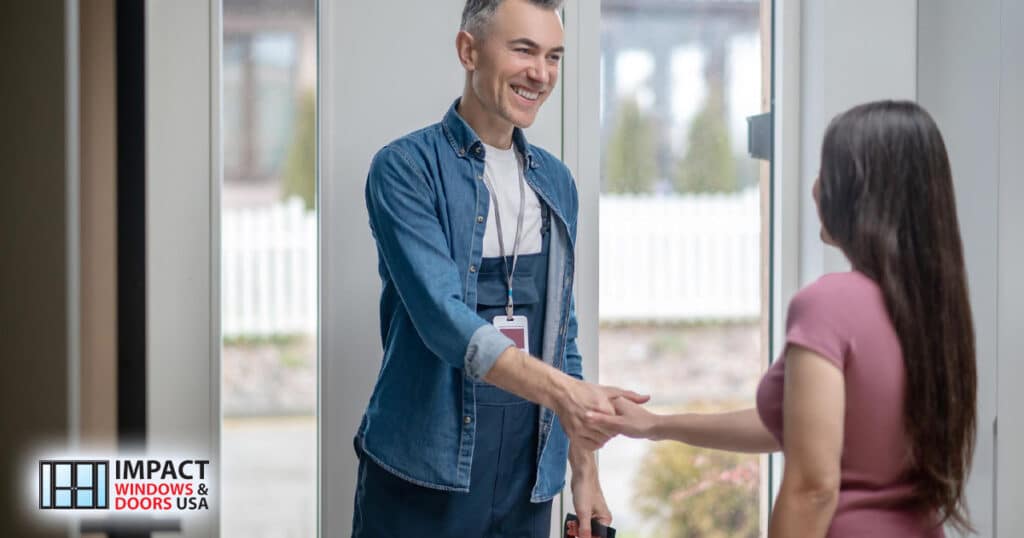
[462,152]
[479,218]
[467,419]
[472,268]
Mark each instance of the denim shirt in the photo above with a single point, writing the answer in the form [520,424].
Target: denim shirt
[428,207]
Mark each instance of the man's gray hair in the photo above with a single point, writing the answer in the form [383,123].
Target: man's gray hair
[477,15]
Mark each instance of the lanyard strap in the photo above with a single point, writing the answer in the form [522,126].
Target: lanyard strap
[510,305]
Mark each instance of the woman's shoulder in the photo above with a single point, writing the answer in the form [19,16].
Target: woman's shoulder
[831,313]
[838,294]
[842,285]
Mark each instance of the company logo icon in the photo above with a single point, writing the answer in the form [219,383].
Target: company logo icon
[74,484]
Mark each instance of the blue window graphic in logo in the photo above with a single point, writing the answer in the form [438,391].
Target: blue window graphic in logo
[73,484]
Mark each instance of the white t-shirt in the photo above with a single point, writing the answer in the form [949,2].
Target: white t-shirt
[504,168]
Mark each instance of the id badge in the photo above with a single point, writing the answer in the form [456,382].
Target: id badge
[517,328]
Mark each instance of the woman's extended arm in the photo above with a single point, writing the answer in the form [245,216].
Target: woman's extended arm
[737,431]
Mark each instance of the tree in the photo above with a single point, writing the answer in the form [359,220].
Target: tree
[631,165]
[709,165]
[699,493]
[300,167]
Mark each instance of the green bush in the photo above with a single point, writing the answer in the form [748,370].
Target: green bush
[699,493]
[300,167]
[631,165]
[709,165]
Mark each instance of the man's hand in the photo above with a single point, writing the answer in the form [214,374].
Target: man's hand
[568,397]
[578,399]
[587,497]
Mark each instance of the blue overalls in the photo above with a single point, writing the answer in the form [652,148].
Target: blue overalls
[505,455]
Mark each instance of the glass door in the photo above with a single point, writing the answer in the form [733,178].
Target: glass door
[269,269]
[683,252]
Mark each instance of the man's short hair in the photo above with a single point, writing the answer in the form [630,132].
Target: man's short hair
[477,15]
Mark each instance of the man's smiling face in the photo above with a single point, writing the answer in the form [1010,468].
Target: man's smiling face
[518,60]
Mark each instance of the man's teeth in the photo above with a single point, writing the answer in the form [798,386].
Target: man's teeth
[525,94]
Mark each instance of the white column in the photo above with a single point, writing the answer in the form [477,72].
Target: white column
[183,238]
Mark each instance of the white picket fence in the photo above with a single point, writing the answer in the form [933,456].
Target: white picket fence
[663,259]
[680,257]
[268,264]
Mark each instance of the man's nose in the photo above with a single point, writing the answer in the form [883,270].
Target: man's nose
[539,72]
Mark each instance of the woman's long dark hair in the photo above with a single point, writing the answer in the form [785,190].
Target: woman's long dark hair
[886,198]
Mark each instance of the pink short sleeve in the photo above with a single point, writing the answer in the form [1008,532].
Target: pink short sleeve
[813,322]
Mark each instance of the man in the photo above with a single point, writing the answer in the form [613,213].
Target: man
[480,398]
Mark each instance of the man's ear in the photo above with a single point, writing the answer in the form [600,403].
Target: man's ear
[465,46]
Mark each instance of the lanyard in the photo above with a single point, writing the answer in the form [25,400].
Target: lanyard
[509,307]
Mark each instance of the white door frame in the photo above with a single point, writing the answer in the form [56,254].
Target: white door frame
[183,48]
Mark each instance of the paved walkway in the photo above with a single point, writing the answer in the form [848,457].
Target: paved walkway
[269,478]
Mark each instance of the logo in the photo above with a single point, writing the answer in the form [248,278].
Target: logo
[74,484]
[137,485]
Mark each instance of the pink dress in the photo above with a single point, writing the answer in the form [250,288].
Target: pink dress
[842,317]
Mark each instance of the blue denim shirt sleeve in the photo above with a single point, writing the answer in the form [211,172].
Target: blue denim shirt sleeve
[414,248]
[573,358]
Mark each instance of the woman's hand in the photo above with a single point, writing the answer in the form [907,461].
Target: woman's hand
[630,419]
[579,400]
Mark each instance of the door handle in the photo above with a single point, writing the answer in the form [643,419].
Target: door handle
[760,136]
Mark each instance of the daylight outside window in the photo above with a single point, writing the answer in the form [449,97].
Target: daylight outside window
[269,269]
[681,253]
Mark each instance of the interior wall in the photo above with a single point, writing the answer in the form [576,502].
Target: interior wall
[1010,370]
[841,69]
[959,70]
[34,242]
[367,100]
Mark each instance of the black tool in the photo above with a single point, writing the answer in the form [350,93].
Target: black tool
[597,529]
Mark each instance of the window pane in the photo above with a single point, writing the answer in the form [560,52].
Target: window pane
[45,485]
[84,475]
[101,485]
[84,498]
[63,479]
[269,270]
[680,236]
[63,498]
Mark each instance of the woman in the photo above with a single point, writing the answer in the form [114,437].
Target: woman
[873,399]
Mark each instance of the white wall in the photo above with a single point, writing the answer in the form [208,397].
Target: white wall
[1010,441]
[852,52]
[387,68]
[972,81]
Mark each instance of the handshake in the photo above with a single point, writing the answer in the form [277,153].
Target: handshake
[591,414]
